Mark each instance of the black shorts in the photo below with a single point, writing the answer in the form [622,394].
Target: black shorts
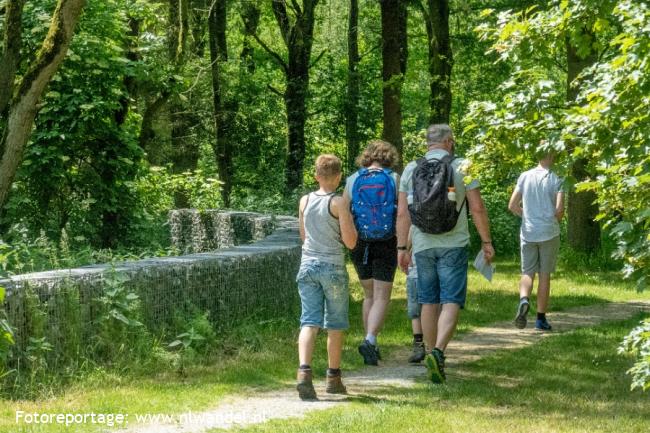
[375,260]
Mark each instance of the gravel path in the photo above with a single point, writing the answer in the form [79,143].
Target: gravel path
[395,372]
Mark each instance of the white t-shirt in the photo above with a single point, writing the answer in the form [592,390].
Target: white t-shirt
[539,188]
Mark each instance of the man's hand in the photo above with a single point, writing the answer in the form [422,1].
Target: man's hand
[559,214]
[404,260]
[488,252]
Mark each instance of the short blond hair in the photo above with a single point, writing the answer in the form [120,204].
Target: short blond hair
[328,166]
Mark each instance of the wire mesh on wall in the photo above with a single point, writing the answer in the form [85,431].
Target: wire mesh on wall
[232,283]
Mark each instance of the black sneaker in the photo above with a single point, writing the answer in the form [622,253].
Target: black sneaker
[418,352]
[435,363]
[522,311]
[369,353]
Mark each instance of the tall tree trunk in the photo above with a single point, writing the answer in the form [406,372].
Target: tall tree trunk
[222,118]
[393,33]
[297,35]
[10,57]
[583,230]
[24,104]
[184,152]
[250,15]
[129,80]
[436,16]
[109,230]
[354,82]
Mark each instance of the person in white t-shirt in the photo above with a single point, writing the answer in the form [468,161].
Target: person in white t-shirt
[539,200]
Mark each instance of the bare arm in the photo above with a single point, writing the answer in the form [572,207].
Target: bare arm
[559,205]
[480,218]
[301,217]
[515,203]
[341,210]
[403,226]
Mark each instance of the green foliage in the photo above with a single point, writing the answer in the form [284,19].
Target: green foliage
[186,343]
[23,254]
[119,332]
[612,125]
[504,226]
[6,335]
[638,343]
[607,125]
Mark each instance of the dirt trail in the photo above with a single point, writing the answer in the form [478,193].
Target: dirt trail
[484,341]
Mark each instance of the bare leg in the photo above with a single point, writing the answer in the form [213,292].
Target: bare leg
[367,301]
[334,348]
[377,313]
[447,324]
[543,292]
[526,285]
[429,320]
[416,324]
[306,343]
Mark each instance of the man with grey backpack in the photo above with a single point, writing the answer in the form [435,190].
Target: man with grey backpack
[440,236]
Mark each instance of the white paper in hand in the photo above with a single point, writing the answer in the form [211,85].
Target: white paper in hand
[486,269]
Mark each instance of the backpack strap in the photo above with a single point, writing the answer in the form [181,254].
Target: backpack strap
[449,158]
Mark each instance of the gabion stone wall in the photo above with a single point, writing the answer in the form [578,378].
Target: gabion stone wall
[233,284]
[194,231]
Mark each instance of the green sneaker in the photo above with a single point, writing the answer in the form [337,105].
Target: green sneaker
[435,363]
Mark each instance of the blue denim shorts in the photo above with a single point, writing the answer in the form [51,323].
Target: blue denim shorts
[442,276]
[324,295]
[412,306]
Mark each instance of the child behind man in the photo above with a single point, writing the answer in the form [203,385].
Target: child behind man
[413,309]
[325,226]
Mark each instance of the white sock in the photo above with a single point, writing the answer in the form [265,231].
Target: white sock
[371,339]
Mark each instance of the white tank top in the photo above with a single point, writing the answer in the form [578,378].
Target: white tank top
[322,231]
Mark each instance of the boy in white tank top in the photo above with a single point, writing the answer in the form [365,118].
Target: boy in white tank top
[326,225]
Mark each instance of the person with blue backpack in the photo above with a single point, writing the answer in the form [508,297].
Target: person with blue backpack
[372,194]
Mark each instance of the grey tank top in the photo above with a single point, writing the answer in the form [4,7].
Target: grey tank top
[322,231]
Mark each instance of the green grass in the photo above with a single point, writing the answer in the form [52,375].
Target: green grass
[263,356]
[574,382]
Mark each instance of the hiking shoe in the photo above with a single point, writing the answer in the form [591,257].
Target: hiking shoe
[542,325]
[378,353]
[522,312]
[369,353]
[305,385]
[418,352]
[335,384]
[435,363]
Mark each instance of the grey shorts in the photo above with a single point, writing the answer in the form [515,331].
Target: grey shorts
[539,256]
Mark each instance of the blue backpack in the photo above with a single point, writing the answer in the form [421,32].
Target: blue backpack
[373,204]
